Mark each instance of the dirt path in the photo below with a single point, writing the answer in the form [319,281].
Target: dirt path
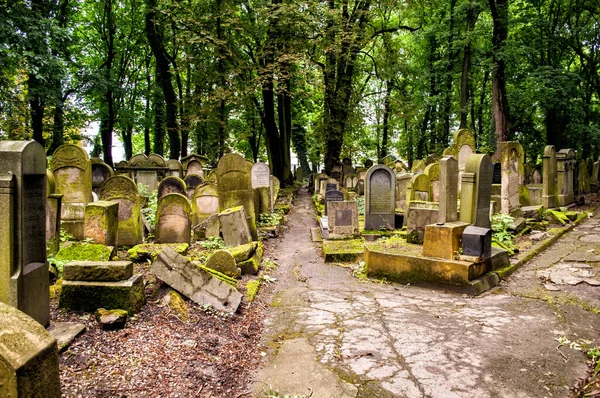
[334,336]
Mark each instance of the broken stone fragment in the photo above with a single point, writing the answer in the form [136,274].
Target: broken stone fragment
[195,283]
[224,262]
[111,319]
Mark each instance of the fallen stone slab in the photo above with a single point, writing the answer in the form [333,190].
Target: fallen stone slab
[195,283]
[65,333]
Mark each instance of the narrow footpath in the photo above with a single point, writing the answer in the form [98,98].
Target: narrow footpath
[332,335]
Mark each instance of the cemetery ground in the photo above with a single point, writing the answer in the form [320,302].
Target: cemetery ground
[318,330]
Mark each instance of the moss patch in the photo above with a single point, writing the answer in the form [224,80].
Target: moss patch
[149,251]
[230,281]
[252,288]
[84,252]
[177,304]
[343,250]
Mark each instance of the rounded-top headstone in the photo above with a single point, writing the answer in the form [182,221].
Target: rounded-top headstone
[70,155]
[156,160]
[224,262]
[260,175]
[233,173]
[171,185]
[117,187]
[138,160]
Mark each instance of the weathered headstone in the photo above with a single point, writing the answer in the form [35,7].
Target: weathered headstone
[275,187]
[463,145]
[171,185]
[549,187]
[261,183]
[175,168]
[235,230]
[73,174]
[28,357]
[565,172]
[594,180]
[360,185]
[512,171]
[223,262]
[194,164]
[433,172]
[205,203]
[173,219]
[299,174]
[537,177]
[402,183]
[342,219]
[333,195]
[123,190]
[476,191]
[100,173]
[23,268]
[192,181]
[336,173]
[53,205]
[419,189]
[448,190]
[380,195]
[583,178]
[102,222]
[234,184]
[418,167]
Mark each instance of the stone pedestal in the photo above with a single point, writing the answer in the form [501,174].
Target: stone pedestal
[102,222]
[443,241]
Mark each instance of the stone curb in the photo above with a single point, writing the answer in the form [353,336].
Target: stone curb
[508,271]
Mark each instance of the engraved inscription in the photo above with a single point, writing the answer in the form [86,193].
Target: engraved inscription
[343,218]
[34,219]
[380,196]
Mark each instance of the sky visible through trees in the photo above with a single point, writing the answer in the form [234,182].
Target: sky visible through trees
[327,79]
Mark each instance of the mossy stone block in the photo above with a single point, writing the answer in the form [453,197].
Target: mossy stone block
[250,266]
[89,296]
[100,271]
[243,252]
[82,251]
[223,262]
[149,251]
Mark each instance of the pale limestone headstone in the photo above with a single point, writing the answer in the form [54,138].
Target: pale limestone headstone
[205,203]
[448,190]
[23,268]
[463,145]
[402,186]
[194,164]
[73,174]
[28,357]
[565,172]
[380,192]
[260,175]
[342,219]
[549,187]
[175,168]
[537,177]
[234,228]
[123,190]
[173,219]
[476,191]
[512,158]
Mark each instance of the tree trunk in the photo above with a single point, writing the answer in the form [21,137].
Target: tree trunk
[443,140]
[147,147]
[499,9]
[386,117]
[159,119]
[464,80]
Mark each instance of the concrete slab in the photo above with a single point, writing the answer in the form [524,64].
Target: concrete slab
[65,333]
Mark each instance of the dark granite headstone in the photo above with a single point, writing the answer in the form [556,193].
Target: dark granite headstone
[330,187]
[477,241]
[333,195]
[380,187]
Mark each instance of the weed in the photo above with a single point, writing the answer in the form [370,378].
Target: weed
[151,207]
[500,223]
[213,243]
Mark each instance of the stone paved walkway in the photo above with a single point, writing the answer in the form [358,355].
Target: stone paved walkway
[336,336]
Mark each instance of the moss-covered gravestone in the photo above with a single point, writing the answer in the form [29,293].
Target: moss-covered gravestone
[192,181]
[433,172]
[463,145]
[512,159]
[53,204]
[23,267]
[175,168]
[102,222]
[205,203]
[549,188]
[565,171]
[224,262]
[234,184]
[476,191]
[28,357]
[171,185]
[233,226]
[73,173]
[123,190]
[173,219]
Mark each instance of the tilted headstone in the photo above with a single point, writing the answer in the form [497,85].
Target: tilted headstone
[173,219]
[171,185]
[234,228]
[28,357]
[100,173]
[565,173]
[73,174]
[24,280]
[333,195]
[123,190]
[448,190]
[512,169]
[433,172]
[205,203]
[53,204]
[102,222]
[261,183]
[549,187]
[234,184]
[476,191]
[380,187]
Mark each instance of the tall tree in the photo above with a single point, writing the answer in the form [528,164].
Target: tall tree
[499,10]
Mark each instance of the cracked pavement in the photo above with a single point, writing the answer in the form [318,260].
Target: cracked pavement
[370,339]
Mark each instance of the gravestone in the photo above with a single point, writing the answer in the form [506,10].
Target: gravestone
[512,170]
[234,185]
[194,164]
[497,174]
[175,169]
[332,183]
[549,187]
[463,145]
[399,167]
[419,189]
[148,170]
[171,185]
[24,280]
[350,181]
[433,172]
[73,174]
[537,177]
[100,173]
[235,230]
[342,219]
[319,178]
[156,160]
[448,190]
[565,176]
[594,181]
[102,222]
[368,163]
[123,190]
[336,173]
[583,179]
[299,174]
[205,203]
[28,357]
[173,219]
[402,186]
[380,187]
[53,204]
[192,181]
[261,183]
[476,191]
[333,195]
[418,167]
[275,187]
[477,241]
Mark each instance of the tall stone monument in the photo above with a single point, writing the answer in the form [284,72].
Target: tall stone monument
[380,192]
[476,191]
[24,282]
[549,188]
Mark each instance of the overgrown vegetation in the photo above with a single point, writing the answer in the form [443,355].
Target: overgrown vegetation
[501,233]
